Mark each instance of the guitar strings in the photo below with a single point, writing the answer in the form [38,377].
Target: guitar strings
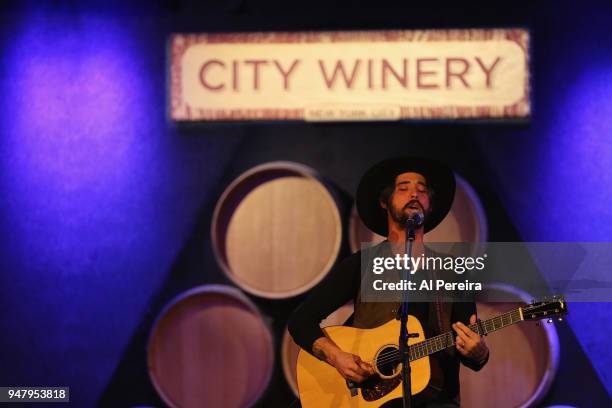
[425,345]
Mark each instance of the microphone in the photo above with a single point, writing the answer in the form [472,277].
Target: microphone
[415,220]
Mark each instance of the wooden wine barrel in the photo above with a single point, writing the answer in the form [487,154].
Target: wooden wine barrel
[290,350]
[522,364]
[465,222]
[210,348]
[276,230]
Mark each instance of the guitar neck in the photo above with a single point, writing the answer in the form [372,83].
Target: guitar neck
[446,340]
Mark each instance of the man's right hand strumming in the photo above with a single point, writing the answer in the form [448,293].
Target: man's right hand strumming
[350,366]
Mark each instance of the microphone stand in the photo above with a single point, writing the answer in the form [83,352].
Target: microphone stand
[404,348]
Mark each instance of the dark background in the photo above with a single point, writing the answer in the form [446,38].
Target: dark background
[105,205]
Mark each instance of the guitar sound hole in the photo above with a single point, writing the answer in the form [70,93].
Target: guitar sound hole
[387,361]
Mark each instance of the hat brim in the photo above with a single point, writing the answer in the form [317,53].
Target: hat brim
[439,177]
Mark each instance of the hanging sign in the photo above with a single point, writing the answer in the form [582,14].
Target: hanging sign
[335,76]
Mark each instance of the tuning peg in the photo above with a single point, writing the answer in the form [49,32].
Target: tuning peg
[549,320]
[560,319]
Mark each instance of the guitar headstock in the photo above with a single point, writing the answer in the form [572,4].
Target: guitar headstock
[548,308]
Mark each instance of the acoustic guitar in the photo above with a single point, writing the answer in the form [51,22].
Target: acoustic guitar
[320,385]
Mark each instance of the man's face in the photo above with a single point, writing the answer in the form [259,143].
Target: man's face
[410,196]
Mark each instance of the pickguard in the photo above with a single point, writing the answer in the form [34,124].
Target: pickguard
[376,388]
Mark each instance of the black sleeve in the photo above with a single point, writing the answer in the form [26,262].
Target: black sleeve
[461,313]
[340,285]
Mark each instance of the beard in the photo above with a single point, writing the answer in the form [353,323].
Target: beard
[402,215]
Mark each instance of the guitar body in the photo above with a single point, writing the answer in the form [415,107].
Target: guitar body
[320,385]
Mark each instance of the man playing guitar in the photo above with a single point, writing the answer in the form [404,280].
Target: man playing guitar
[388,194]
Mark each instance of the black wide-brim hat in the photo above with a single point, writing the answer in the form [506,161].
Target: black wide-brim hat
[440,178]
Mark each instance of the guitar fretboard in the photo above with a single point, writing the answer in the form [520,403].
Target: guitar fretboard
[446,340]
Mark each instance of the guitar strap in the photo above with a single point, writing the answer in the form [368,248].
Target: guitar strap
[440,313]
[440,320]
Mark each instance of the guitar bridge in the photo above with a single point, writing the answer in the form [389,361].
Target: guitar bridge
[352,387]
